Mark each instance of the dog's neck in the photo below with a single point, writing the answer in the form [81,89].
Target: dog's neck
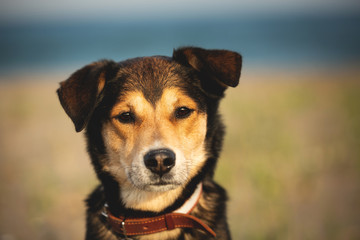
[180,218]
[159,201]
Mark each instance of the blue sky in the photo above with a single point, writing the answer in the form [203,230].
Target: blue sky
[135,9]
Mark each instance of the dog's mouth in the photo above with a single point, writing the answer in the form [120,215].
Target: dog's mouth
[164,181]
[157,184]
[161,182]
[159,187]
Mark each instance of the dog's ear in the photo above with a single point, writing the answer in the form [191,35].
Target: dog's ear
[79,94]
[219,68]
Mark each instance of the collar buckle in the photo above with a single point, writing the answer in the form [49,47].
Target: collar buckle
[124,231]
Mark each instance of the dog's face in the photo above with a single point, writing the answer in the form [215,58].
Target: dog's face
[155,132]
[150,121]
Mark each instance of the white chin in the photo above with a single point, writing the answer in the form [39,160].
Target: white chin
[161,188]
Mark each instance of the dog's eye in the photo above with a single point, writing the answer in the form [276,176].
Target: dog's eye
[126,117]
[183,112]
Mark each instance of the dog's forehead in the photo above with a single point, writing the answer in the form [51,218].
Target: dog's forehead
[150,75]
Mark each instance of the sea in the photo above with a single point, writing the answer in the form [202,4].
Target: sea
[282,41]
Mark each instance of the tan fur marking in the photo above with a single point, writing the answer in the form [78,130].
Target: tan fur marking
[186,134]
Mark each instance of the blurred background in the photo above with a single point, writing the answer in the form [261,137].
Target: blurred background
[291,159]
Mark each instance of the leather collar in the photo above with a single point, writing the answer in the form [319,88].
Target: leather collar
[180,218]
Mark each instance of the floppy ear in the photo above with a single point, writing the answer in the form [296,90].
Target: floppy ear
[220,68]
[79,94]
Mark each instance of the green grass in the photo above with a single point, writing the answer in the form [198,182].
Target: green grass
[290,163]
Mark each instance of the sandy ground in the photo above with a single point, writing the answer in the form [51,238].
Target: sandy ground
[290,161]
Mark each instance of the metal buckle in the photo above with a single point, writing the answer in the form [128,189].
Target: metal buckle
[124,231]
[104,213]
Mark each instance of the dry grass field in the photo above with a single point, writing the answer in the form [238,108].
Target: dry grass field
[291,158]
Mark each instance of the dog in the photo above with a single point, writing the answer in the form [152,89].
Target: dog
[154,135]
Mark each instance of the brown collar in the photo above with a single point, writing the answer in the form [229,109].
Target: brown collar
[170,221]
[143,226]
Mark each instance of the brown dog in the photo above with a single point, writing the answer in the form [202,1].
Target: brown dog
[154,135]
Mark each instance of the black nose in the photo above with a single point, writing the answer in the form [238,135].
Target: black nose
[160,161]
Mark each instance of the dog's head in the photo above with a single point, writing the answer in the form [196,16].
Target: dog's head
[151,121]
